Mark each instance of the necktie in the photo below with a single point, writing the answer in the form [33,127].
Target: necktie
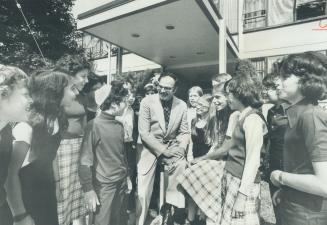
[166,110]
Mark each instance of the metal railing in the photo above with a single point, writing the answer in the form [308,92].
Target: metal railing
[259,13]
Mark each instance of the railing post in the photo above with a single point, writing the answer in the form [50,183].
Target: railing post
[109,76]
[222,47]
[240,28]
[119,62]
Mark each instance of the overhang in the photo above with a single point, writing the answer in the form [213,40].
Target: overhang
[180,35]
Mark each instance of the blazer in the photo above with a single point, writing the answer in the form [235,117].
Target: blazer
[153,134]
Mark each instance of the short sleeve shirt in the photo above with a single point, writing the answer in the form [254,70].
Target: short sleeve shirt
[23,132]
[305,138]
[305,143]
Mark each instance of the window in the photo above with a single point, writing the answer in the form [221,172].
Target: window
[260,66]
[254,14]
[308,9]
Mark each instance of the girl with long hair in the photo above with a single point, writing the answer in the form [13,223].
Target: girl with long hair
[202,177]
[70,196]
[194,93]
[31,179]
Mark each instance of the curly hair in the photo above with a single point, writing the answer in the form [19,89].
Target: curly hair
[72,64]
[246,90]
[245,68]
[269,81]
[311,68]
[11,78]
[117,93]
[47,91]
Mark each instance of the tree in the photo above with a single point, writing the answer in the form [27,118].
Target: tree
[50,21]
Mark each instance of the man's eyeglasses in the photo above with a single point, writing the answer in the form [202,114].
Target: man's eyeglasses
[165,88]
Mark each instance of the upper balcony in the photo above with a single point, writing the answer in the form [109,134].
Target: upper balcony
[181,35]
[263,14]
[276,28]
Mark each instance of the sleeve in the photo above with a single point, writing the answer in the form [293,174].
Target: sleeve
[314,128]
[87,158]
[128,125]
[23,132]
[232,121]
[253,129]
[184,132]
[144,130]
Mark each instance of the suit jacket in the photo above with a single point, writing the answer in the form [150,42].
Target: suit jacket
[153,134]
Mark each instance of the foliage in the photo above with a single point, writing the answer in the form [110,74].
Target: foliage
[138,79]
[51,23]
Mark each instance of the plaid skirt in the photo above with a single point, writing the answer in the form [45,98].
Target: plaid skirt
[230,186]
[70,204]
[202,182]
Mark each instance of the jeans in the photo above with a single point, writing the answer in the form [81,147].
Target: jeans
[295,214]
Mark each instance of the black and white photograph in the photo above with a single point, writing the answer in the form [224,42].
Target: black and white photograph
[163,112]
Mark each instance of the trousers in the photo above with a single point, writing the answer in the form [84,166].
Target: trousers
[113,203]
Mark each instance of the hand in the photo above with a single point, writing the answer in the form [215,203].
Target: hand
[276,198]
[26,221]
[91,200]
[177,152]
[167,153]
[239,206]
[171,167]
[196,160]
[275,178]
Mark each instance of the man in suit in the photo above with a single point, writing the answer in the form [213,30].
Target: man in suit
[164,135]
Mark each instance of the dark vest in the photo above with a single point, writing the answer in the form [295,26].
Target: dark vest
[236,155]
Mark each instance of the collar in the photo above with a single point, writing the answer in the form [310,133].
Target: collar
[106,116]
[295,110]
[244,113]
[280,108]
[167,103]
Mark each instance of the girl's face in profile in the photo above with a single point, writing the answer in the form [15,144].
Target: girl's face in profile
[16,107]
[233,102]
[219,100]
[70,93]
[131,99]
[202,107]
[289,88]
[271,93]
[80,79]
[193,98]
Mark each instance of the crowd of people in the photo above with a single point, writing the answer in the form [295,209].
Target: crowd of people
[74,150]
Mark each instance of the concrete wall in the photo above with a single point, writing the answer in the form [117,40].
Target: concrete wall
[285,40]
